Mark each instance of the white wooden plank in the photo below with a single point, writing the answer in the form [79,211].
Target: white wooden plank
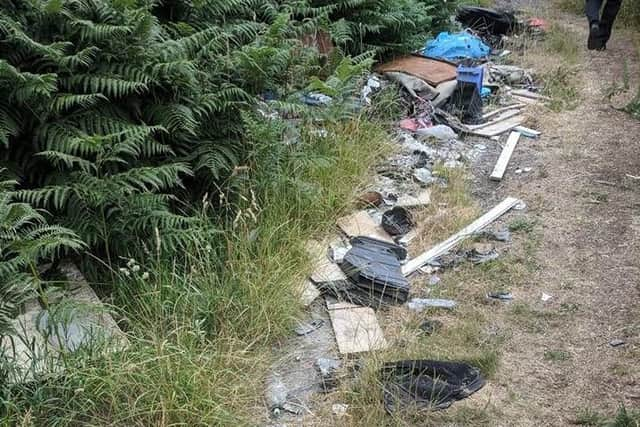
[490,114]
[505,156]
[500,127]
[530,95]
[522,99]
[454,240]
[530,133]
[356,329]
[361,224]
[500,118]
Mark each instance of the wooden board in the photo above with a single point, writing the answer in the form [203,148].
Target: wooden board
[522,99]
[490,114]
[444,247]
[356,329]
[530,95]
[497,120]
[505,156]
[431,71]
[361,224]
[500,127]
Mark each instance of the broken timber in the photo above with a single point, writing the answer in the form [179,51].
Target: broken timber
[490,114]
[505,156]
[356,328]
[501,117]
[530,95]
[500,127]
[444,247]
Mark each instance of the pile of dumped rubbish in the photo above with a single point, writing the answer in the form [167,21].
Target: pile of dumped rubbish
[457,86]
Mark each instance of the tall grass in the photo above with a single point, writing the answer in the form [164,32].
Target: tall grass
[201,326]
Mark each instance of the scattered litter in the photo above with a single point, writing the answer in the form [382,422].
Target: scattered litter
[275,393]
[527,169]
[375,266]
[407,238]
[505,156]
[466,103]
[292,408]
[409,201]
[361,224]
[324,270]
[480,147]
[518,171]
[434,280]
[306,328]
[370,198]
[546,297]
[429,269]
[397,221]
[529,133]
[428,383]
[520,206]
[316,99]
[503,235]
[490,114]
[373,84]
[505,296]
[327,369]
[424,176]
[431,71]
[528,94]
[430,326]
[339,409]
[472,75]
[442,248]
[487,21]
[421,304]
[356,329]
[617,343]
[504,53]
[337,250]
[457,46]
[441,132]
[308,292]
[499,127]
[416,87]
[538,25]
[509,74]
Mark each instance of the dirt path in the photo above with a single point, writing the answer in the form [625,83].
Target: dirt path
[557,361]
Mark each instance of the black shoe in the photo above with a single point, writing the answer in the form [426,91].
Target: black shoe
[595,39]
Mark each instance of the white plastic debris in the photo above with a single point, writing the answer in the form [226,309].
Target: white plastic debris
[276,393]
[421,304]
[546,297]
[441,132]
[339,409]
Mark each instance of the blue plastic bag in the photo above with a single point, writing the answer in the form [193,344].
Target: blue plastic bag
[457,46]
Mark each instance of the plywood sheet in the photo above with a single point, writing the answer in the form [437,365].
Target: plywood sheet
[361,224]
[356,329]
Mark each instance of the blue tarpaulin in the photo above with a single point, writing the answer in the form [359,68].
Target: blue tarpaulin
[457,46]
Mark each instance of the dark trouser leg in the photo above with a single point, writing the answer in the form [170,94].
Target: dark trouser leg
[593,10]
[609,17]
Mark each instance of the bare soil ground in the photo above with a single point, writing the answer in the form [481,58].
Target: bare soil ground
[556,358]
[580,244]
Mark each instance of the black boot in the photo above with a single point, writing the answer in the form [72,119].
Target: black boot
[595,41]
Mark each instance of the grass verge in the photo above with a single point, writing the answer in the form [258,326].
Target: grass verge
[201,326]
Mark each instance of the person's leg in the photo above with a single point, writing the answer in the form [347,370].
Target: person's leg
[609,14]
[592,9]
